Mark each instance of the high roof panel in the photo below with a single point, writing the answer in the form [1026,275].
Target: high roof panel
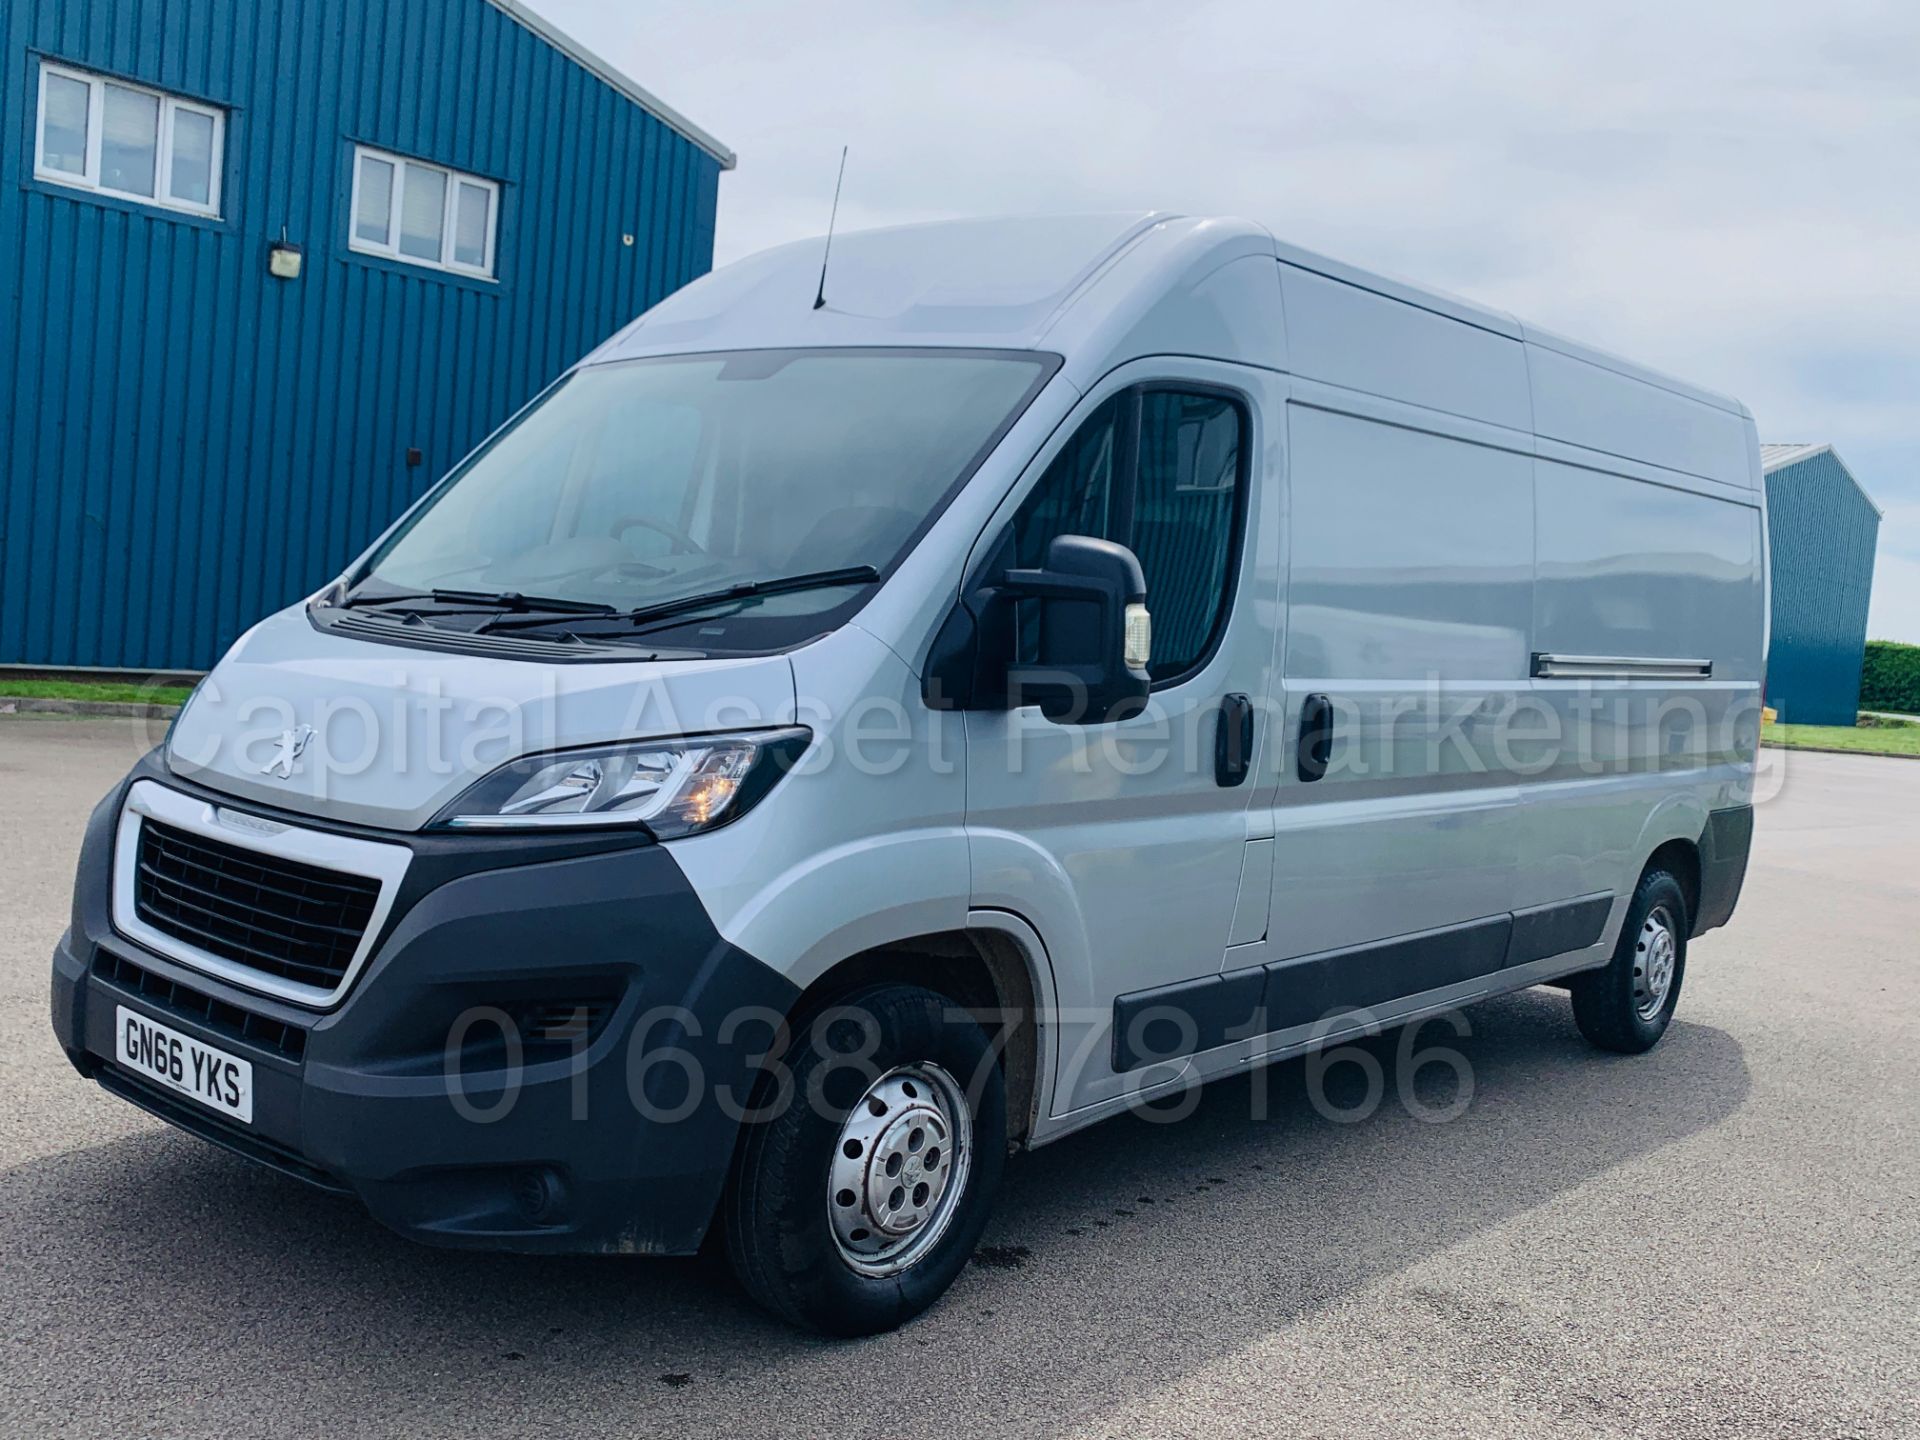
[1025,282]
[996,281]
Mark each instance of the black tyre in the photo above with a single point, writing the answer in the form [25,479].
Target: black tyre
[858,1199]
[1626,1005]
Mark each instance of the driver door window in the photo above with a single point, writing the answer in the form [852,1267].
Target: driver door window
[1161,470]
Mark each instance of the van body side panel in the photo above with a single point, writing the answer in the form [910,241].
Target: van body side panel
[1602,409]
[1630,568]
[1616,766]
[1355,339]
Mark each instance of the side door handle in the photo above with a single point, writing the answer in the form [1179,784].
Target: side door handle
[1316,737]
[1233,741]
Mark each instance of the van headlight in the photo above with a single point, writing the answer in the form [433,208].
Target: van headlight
[667,787]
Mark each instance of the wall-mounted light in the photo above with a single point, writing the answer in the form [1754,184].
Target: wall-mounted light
[283,260]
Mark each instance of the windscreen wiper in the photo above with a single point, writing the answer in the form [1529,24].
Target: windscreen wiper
[745,590]
[484,600]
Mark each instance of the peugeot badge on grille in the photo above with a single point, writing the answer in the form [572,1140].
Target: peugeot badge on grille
[293,744]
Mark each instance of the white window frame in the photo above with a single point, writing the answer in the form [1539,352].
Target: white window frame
[450,210]
[170,105]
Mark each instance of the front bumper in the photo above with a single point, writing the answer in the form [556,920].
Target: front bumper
[407,1095]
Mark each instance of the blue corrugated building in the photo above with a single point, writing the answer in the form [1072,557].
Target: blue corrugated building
[266,270]
[1821,531]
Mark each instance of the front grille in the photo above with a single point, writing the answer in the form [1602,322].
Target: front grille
[173,999]
[280,917]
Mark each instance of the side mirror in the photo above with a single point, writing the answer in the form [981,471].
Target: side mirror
[1095,633]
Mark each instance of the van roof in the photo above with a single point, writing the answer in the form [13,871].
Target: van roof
[1007,282]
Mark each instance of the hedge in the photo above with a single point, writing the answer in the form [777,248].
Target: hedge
[1890,677]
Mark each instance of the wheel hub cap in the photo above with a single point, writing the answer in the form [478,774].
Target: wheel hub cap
[1654,957]
[899,1166]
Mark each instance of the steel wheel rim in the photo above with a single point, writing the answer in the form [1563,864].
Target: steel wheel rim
[1655,956]
[899,1167]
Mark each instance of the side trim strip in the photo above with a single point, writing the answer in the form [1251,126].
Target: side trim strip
[1307,989]
[1184,1018]
[1544,930]
[1172,1021]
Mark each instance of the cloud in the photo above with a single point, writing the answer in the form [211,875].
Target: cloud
[1730,192]
[1895,612]
[1896,598]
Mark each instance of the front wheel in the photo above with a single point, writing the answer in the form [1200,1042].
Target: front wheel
[856,1203]
[1626,1006]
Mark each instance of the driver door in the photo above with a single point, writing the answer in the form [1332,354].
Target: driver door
[1123,844]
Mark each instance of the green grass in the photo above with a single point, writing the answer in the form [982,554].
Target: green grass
[1867,740]
[93,690]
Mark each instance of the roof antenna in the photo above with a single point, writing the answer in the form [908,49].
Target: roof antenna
[820,296]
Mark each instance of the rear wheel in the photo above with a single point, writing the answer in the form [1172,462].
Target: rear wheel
[1626,1005]
[856,1204]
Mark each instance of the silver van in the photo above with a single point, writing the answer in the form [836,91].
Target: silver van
[852,727]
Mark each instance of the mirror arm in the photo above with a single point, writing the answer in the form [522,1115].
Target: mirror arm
[1046,585]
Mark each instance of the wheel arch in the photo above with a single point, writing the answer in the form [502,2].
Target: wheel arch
[1681,858]
[1671,837]
[993,970]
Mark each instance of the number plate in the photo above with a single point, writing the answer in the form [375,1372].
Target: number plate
[216,1079]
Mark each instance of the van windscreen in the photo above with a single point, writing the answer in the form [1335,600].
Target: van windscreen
[644,482]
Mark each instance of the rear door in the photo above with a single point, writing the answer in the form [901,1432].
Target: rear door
[1123,844]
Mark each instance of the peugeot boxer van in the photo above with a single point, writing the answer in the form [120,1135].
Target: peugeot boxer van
[849,728]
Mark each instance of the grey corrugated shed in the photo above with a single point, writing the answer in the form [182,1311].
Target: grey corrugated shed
[1779,457]
[1822,530]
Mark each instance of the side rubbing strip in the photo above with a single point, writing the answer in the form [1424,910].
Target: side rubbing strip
[1175,1020]
[1555,929]
[1313,987]
[1170,1021]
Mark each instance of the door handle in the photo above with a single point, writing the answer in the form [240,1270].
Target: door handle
[1233,741]
[1316,737]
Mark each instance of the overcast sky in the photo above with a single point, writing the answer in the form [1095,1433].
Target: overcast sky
[1727,191]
